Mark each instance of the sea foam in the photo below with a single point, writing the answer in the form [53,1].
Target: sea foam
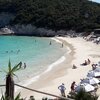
[49,68]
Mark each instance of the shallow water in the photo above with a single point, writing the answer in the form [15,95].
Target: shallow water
[34,51]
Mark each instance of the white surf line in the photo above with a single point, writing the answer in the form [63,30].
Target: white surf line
[50,67]
[60,60]
[56,39]
[28,82]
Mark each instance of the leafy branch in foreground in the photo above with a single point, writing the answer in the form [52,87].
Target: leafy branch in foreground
[9,80]
[82,95]
[16,98]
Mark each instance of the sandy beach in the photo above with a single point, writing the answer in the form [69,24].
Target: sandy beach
[48,82]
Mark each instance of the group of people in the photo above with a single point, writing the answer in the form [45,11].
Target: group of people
[50,43]
[24,66]
[73,84]
[74,66]
[62,88]
[87,62]
[94,66]
[13,51]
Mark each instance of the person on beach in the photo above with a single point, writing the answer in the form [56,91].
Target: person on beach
[50,43]
[24,65]
[21,63]
[6,51]
[32,98]
[62,45]
[88,61]
[18,51]
[62,89]
[94,66]
[85,63]
[74,66]
[73,85]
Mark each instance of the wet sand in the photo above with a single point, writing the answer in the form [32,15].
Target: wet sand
[48,82]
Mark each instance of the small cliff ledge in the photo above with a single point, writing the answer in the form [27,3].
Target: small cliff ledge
[30,30]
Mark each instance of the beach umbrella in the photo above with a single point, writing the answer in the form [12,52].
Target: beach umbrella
[90,80]
[97,69]
[84,86]
[93,74]
[99,63]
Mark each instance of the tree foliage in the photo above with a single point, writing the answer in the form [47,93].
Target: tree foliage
[54,14]
[9,80]
[82,95]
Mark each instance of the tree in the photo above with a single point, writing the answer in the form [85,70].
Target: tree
[9,80]
[16,98]
[82,95]
[79,15]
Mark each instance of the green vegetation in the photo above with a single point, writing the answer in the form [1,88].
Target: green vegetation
[9,94]
[16,98]
[82,95]
[54,14]
[9,80]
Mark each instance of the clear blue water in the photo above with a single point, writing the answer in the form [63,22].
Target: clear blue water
[34,51]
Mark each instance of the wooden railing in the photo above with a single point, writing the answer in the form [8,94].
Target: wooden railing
[64,98]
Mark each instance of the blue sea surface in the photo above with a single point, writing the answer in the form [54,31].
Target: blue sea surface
[36,52]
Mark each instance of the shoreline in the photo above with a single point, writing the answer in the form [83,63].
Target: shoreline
[49,67]
[52,69]
[30,79]
[35,78]
[63,73]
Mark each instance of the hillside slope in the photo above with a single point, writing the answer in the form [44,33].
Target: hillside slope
[78,15]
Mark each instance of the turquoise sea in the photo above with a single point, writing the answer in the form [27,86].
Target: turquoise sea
[36,52]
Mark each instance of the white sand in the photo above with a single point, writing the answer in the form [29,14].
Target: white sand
[81,50]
